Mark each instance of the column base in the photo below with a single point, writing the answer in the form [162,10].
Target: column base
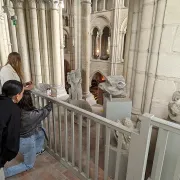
[89,98]
[59,92]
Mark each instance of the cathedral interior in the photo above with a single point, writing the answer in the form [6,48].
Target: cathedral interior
[136,39]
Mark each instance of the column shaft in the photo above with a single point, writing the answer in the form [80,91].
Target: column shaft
[85,38]
[43,44]
[35,41]
[22,42]
[104,5]
[115,37]
[56,43]
[61,44]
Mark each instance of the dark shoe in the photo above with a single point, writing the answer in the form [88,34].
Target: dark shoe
[41,152]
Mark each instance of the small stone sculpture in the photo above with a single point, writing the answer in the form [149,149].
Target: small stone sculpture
[174,107]
[114,86]
[126,139]
[75,80]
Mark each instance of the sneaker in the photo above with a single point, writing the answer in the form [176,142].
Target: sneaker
[41,152]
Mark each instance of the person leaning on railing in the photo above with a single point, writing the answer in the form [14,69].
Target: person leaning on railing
[10,114]
[32,134]
[13,71]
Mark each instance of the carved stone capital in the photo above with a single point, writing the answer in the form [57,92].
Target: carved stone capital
[18,3]
[54,4]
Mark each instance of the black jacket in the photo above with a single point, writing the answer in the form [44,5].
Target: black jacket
[30,120]
[9,130]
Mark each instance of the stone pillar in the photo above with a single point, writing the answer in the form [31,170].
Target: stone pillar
[115,36]
[85,38]
[35,41]
[100,44]
[86,50]
[22,38]
[58,47]
[144,52]
[95,5]
[77,34]
[43,43]
[61,43]
[104,5]
[3,57]
[56,42]
[71,37]
[12,28]
[157,30]
[133,16]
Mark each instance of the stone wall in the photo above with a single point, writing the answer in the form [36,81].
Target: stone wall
[152,56]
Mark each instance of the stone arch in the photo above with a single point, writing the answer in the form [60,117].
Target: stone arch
[103,17]
[92,75]
[92,29]
[97,78]
[96,43]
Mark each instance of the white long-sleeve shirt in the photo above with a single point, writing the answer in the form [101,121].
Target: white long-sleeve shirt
[8,73]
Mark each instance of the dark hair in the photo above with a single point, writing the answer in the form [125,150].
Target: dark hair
[11,88]
[26,102]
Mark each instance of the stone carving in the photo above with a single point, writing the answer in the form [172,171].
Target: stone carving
[126,139]
[114,86]
[75,80]
[174,107]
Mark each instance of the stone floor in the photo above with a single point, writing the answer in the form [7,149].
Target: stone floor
[46,168]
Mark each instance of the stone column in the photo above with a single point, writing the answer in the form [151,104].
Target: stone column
[12,28]
[85,38]
[58,47]
[115,36]
[61,43]
[22,38]
[35,41]
[100,44]
[3,56]
[86,50]
[71,37]
[56,42]
[104,5]
[144,41]
[77,34]
[95,5]
[157,31]
[43,43]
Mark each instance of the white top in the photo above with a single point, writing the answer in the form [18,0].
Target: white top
[8,73]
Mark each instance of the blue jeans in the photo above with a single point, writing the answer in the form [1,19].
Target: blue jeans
[28,148]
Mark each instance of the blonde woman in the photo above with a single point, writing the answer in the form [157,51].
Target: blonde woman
[13,70]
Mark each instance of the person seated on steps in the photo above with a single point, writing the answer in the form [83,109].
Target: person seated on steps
[32,134]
